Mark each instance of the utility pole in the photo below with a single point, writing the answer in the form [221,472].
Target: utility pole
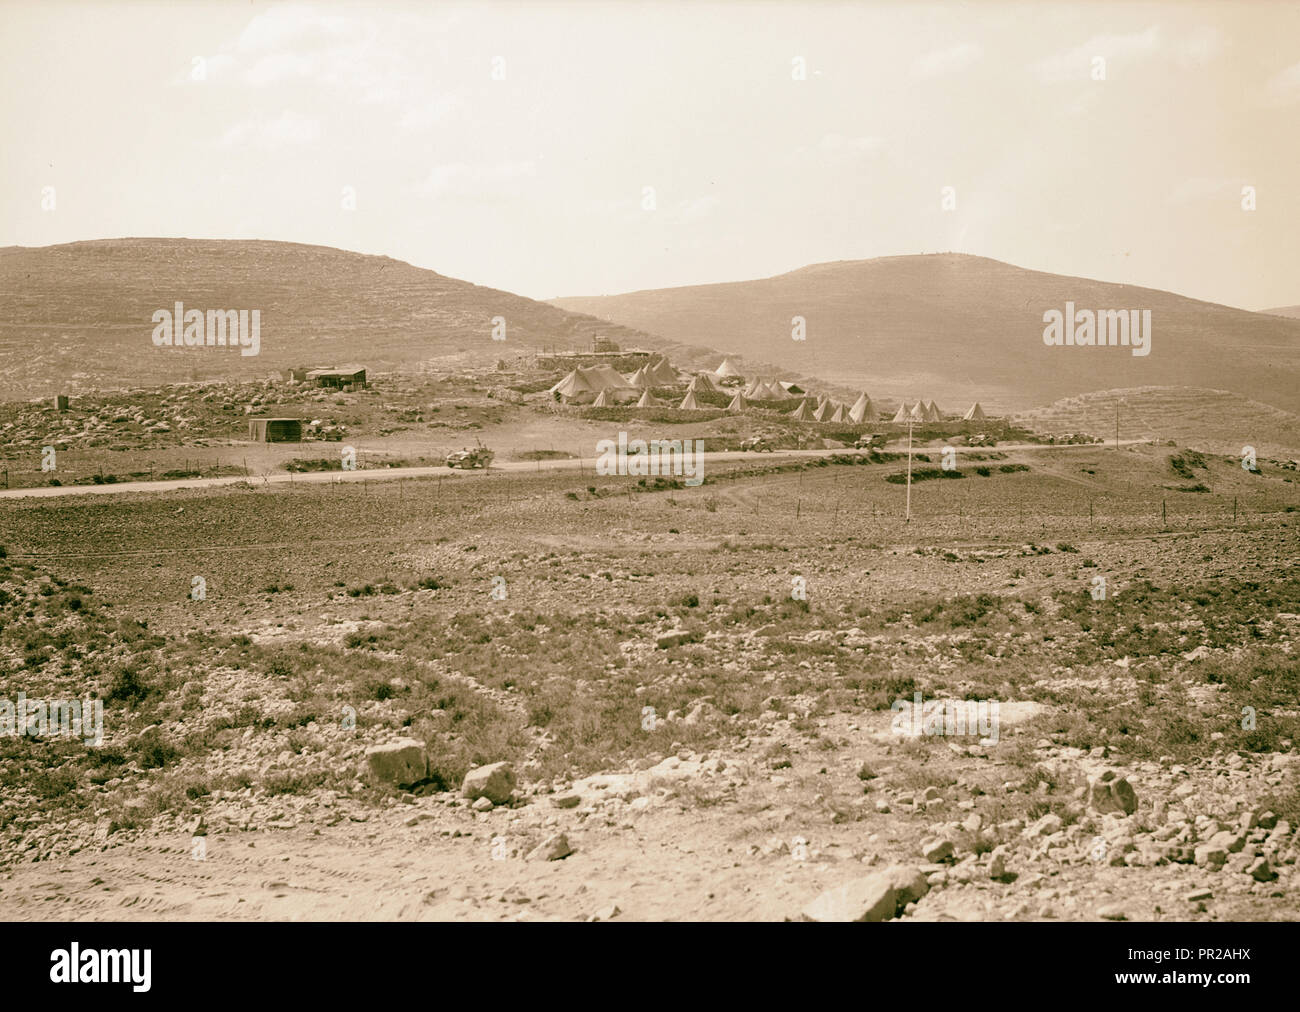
[1116,423]
[908,518]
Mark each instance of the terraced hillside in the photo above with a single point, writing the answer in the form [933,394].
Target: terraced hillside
[1216,421]
[78,316]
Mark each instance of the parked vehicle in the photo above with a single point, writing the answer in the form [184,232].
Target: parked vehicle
[757,444]
[478,457]
[871,442]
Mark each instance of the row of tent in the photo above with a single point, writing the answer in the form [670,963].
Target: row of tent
[606,387]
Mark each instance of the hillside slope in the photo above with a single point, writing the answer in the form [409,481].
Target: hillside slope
[1214,421]
[959,328]
[79,316]
[1291,312]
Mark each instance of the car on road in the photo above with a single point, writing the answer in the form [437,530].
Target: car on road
[478,457]
[757,444]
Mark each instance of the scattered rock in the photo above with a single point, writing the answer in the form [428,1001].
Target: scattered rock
[495,782]
[401,762]
[1112,793]
[877,897]
[553,848]
[936,850]
[1113,912]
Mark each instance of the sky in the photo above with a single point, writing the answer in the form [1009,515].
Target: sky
[590,148]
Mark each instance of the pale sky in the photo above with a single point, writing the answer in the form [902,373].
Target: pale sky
[536,183]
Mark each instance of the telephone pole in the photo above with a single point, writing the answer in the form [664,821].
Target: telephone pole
[908,519]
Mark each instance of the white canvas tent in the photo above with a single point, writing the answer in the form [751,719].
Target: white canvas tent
[918,412]
[727,370]
[932,413]
[776,392]
[801,413]
[661,373]
[903,412]
[838,416]
[586,384]
[823,410]
[862,411]
[645,401]
[689,403]
[974,413]
[737,404]
[602,400]
[640,379]
[701,382]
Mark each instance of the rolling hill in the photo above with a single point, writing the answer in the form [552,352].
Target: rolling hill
[959,328]
[1291,312]
[79,316]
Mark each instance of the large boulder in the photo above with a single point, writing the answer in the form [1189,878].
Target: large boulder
[1112,793]
[876,897]
[399,762]
[495,782]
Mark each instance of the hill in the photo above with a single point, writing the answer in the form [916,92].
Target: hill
[959,328]
[1214,421]
[1292,312]
[79,316]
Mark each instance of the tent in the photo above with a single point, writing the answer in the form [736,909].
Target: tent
[776,392]
[903,412]
[640,379]
[755,391]
[932,413]
[791,388]
[602,400]
[838,416]
[862,411]
[737,403]
[727,369]
[701,382]
[645,401]
[823,410]
[974,414]
[689,403]
[587,383]
[917,414]
[801,413]
[661,373]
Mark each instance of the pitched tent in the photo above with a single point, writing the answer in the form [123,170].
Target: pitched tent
[801,413]
[838,416]
[755,391]
[602,400]
[791,388]
[918,411]
[573,385]
[823,410]
[701,383]
[640,379]
[689,403]
[932,413]
[645,401]
[663,374]
[862,411]
[776,392]
[737,403]
[974,413]
[584,383]
[727,369]
[903,412]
